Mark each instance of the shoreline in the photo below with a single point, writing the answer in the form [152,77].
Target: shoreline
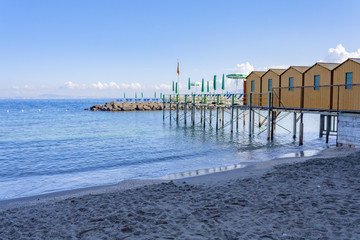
[291,198]
[248,169]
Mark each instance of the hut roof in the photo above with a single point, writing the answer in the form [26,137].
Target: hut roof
[277,71]
[330,66]
[257,73]
[355,60]
[300,69]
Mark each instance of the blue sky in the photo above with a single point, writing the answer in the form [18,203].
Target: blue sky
[105,48]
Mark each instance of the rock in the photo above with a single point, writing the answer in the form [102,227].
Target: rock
[116,107]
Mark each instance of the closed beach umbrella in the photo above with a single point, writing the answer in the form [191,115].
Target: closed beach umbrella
[223,82]
[155,95]
[173,86]
[124,95]
[176,89]
[214,82]
[208,86]
[202,86]
[189,87]
[135,95]
[142,95]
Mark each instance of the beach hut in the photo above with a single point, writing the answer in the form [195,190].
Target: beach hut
[293,77]
[270,80]
[317,81]
[346,96]
[253,85]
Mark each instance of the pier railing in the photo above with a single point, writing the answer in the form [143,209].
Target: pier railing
[332,98]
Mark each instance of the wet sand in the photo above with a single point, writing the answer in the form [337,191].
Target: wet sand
[292,198]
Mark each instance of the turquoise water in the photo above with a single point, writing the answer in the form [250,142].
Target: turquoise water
[54,145]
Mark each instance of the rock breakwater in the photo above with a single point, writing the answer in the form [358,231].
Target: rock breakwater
[118,107]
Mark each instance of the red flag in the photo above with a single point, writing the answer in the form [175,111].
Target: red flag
[178,69]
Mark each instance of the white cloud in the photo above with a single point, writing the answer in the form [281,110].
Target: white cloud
[245,68]
[339,54]
[71,85]
[25,87]
[135,85]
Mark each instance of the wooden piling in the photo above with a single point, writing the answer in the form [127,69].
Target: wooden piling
[294,126]
[223,117]
[163,108]
[322,123]
[328,127]
[250,120]
[185,109]
[301,130]
[268,118]
[217,118]
[237,119]
[204,115]
[232,114]
[170,108]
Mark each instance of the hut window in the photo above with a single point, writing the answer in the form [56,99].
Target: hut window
[316,82]
[252,85]
[270,85]
[348,80]
[291,83]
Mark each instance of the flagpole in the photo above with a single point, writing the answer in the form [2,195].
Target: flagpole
[178,72]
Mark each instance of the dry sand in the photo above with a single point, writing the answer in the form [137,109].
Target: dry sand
[293,198]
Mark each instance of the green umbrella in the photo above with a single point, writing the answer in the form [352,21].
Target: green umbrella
[208,86]
[214,82]
[173,86]
[124,95]
[223,82]
[176,89]
[202,86]
[189,87]
[135,95]
[155,95]
[142,95]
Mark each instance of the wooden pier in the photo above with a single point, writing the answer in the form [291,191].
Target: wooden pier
[220,111]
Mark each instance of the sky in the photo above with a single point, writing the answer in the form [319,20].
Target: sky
[97,49]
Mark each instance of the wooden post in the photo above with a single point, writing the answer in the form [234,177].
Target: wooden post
[272,124]
[170,108]
[301,130]
[193,113]
[328,126]
[322,123]
[237,119]
[185,109]
[268,118]
[163,108]
[250,120]
[259,118]
[253,121]
[232,113]
[223,117]
[204,115]
[177,108]
[217,117]
[210,115]
[294,126]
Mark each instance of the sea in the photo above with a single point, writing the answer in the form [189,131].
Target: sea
[54,145]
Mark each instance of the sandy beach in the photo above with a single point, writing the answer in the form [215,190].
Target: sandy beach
[292,198]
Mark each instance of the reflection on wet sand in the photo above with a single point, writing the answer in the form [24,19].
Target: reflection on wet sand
[307,153]
[202,172]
